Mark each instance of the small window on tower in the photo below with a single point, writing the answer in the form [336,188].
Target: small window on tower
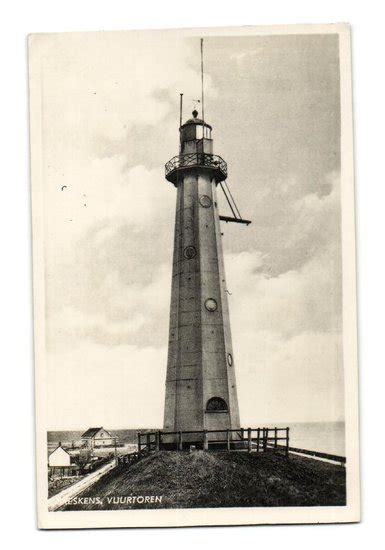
[211,304]
[189,252]
[216,404]
[205,201]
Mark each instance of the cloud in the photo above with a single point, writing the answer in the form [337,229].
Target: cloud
[109,123]
[243,55]
[300,227]
[88,384]
[101,190]
[285,310]
[112,292]
[108,250]
[292,380]
[104,309]
[307,300]
[100,87]
[290,225]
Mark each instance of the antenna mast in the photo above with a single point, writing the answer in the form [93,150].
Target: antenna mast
[180,109]
[203,104]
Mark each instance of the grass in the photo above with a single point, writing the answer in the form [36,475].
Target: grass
[221,479]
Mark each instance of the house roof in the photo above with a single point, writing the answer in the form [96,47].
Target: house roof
[91,432]
[59,447]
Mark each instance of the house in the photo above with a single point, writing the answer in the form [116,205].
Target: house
[60,463]
[98,437]
[59,458]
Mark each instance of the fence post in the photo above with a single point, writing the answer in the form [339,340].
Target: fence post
[157,440]
[205,441]
[258,436]
[180,446]
[249,440]
[275,439]
[228,439]
[148,442]
[265,436]
[287,441]
[139,443]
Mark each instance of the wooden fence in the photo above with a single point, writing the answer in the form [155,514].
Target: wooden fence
[245,439]
[129,458]
[250,439]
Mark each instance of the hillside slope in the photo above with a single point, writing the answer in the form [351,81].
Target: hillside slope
[220,479]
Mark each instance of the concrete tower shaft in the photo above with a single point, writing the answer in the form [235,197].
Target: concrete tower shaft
[200,386]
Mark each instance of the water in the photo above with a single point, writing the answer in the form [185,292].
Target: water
[325,437]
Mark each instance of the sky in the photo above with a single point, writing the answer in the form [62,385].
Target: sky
[110,123]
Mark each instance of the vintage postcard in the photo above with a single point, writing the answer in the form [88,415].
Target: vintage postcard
[194,277]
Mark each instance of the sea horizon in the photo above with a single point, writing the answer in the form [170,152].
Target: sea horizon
[321,436]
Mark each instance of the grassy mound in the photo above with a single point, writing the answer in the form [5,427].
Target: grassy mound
[220,479]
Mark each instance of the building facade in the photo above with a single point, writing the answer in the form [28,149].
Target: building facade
[61,463]
[98,437]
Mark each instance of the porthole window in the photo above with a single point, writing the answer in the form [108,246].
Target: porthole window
[189,252]
[229,359]
[205,201]
[211,304]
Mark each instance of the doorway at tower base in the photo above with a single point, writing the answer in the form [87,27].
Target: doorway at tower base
[217,420]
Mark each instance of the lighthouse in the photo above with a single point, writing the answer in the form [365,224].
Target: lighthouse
[201,390]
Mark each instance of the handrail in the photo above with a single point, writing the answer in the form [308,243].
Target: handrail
[249,438]
[267,439]
[190,160]
[209,431]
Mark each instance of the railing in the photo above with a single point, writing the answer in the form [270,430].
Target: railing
[250,439]
[244,439]
[129,458]
[196,160]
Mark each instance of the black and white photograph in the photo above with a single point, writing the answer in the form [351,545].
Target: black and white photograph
[194,276]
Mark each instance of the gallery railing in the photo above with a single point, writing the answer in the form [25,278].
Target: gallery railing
[191,160]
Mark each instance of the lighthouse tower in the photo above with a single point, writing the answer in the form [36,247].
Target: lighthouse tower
[201,391]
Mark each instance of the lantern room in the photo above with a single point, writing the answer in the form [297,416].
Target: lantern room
[195,136]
